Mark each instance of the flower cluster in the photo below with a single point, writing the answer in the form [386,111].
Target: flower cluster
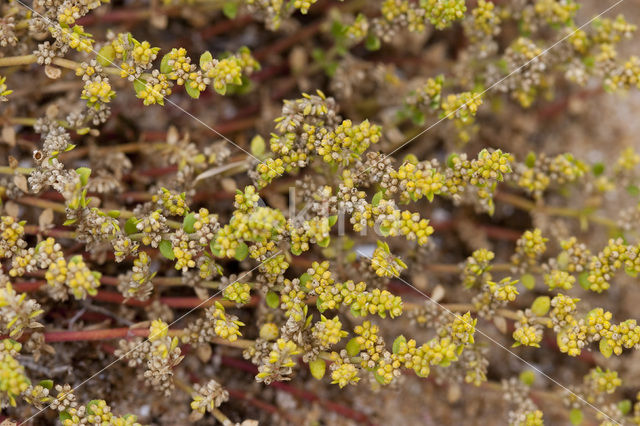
[384,263]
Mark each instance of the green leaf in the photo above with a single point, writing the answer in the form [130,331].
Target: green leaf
[563,260]
[575,416]
[376,199]
[633,190]
[205,58]
[624,406]
[304,279]
[296,251]
[191,91]
[418,118]
[530,161]
[165,68]
[272,299]
[528,281]
[400,340]
[64,416]
[91,404]
[541,306]
[188,222]
[139,85]
[597,169]
[319,305]
[450,159]
[166,249]
[130,225]
[241,252]
[69,222]
[230,9]
[379,378]
[527,377]
[605,349]
[258,146]
[214,249]
[106,56]
[318,368]
[333,219]
[353,347]
[325,242]
[357,312]
[84,173]
[114,213]
[47,384]
[583,279]
[338,29]
[221,91]
[372,42]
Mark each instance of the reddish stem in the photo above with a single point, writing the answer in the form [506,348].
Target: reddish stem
[90,335]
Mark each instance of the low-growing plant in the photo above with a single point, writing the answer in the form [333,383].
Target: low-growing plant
[388,201]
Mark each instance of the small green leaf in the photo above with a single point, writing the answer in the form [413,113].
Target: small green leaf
[575,416]
[69,222]
[325,242]
[379,378]
[530,161]
[296,251]
[166,249]
[372,42]
[221,91]
[191,91]
[376,199]
[272,299]
[165,68]
[230,9]
[605,349]
[528,281]
[597,169]
[47,384]
[84,173]
[541,306]
[318,368]
[338,29]
[215,249]
[333,219]
[450,160]
[64,416]
[583,279]
[527,377]
[353,347]
[563,260]
[139,85]
[418,118]
[130,225]
[304,279]
[399,341]
[258,146]
[188,222]
[241,252]
[114,213]
[624,406]
[205,58]
[91,404]
[357,312]
[106,56]
[633,190]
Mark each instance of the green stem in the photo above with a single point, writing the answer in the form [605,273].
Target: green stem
[530,206]
[6,170]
